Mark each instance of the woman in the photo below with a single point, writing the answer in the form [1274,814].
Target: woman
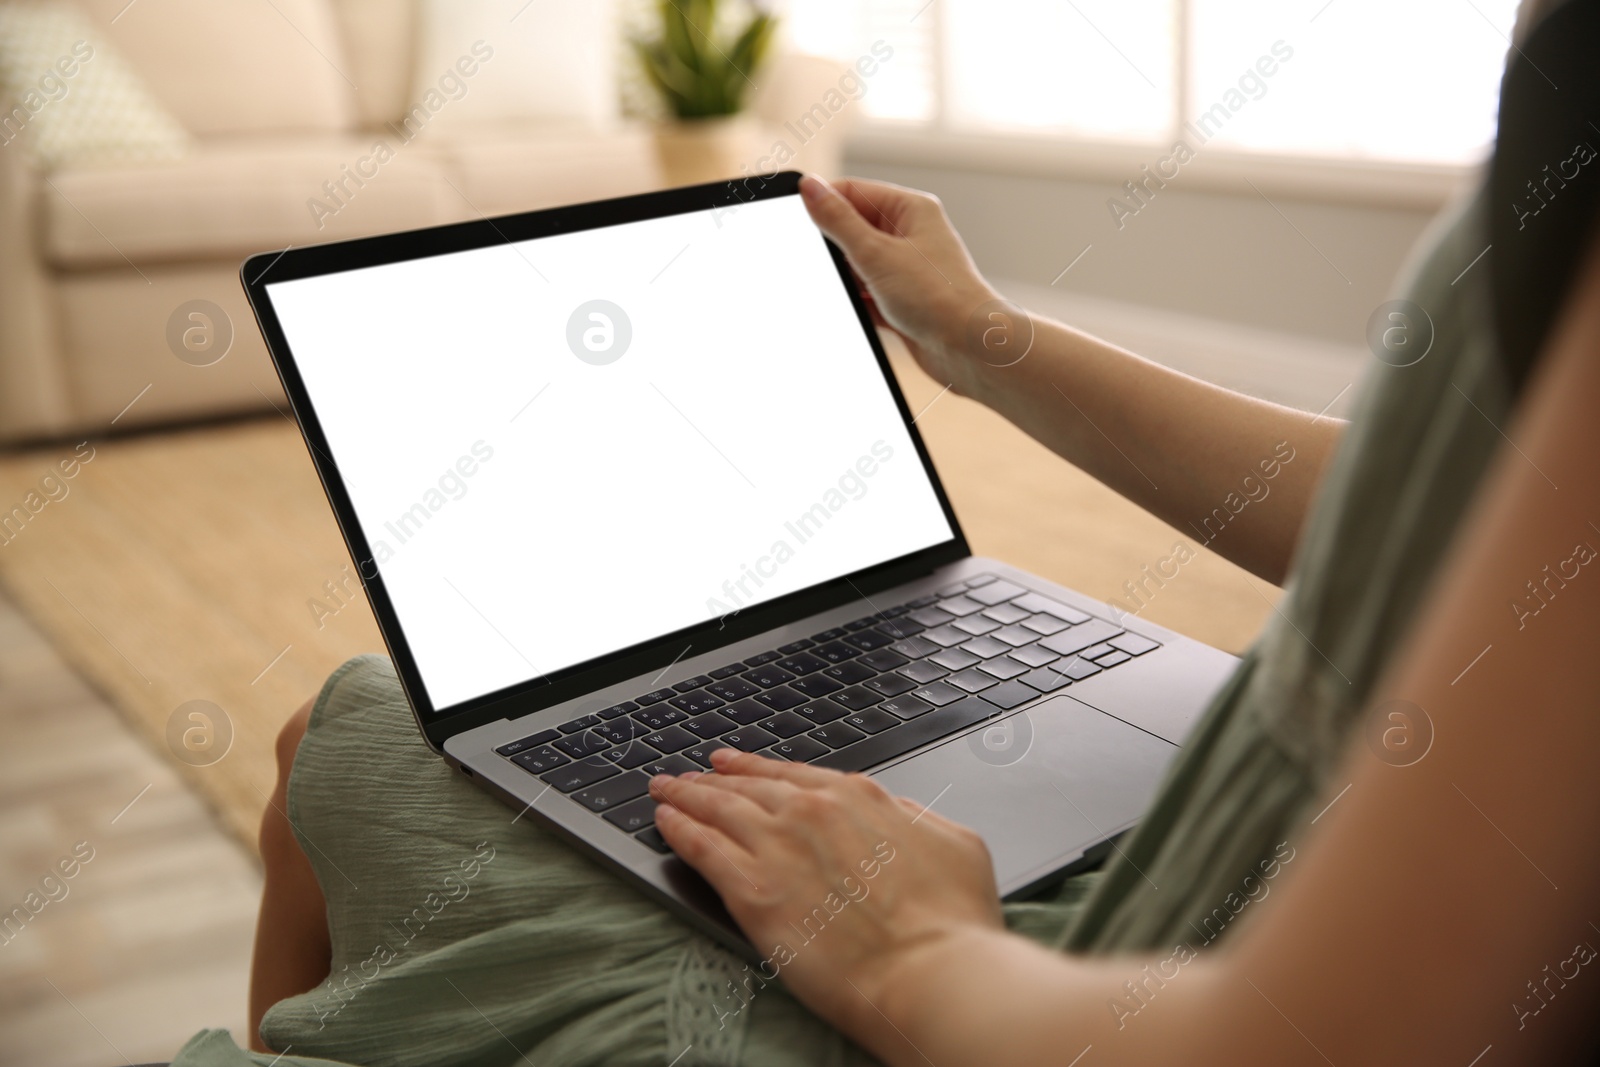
[1375,903]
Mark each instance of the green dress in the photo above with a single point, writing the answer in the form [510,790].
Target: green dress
[463,934]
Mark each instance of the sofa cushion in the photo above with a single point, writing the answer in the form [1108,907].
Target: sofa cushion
[237,67]
[506,169]
[380,43]
[230,198]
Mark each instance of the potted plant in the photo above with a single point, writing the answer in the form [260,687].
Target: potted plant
[703,65]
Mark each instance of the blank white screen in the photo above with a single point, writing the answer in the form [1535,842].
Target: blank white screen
[555,510]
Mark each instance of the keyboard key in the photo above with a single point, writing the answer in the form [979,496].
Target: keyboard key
[976,625]
[711,724]
[693,683]
[882,660]
[701,753]
[1005,668]
[1113,659]
[749,738]
[1044,624]
[982,579]
[952,589]
[923,671]
[782,698]
[931,726]
[857,697]
[731,689]
[922,601]
[802,663]
[994,592]
[830,635]
[761,659]
[653,840]
[988,647]
[867,640]
[930,616]
[1076,668]
[585,744]
[836,735]
[696,702]
[1008,695]
[1015,636]
[1134,644]
[836,651]
[872,721]
[618,709]
[1045,679]
[901,628]
[816,686]
[655,696]
[821,712]
[1005,614]
[795,646]
[581,773]
[729,671]
[1035,603]
[660,716]
[674,764]
[913,648]
[745,712]
[906,707]
[582,722]
[635,815]
[894,612]
[799,749]
[849,673]
[945,635]
[768,676]
[543,737]
[1081,637]
[890,685]
[861,624]
[633,754]
[1103,649]
[1033,656]
[621,731]
[938,694]
[954,659]
[786,724]
[614,791]
[671,739]
[541,759]
[972,680]
[960,605]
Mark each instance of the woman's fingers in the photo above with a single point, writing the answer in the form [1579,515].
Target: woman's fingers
[717,856]
[737,816]
[770,793]
[732,761]
[840,220]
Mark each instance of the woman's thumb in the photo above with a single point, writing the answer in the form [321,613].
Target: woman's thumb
[838,218]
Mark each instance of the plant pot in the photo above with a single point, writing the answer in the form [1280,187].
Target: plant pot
[706,150]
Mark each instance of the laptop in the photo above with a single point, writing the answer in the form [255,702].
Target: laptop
[630,481]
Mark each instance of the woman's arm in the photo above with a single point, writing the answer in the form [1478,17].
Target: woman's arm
[1173,444]
[1433,910]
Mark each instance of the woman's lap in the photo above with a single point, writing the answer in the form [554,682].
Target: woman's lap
[461,930]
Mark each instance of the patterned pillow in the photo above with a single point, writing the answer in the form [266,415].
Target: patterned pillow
[68,98]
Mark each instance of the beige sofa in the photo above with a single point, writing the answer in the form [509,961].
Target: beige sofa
[285,101]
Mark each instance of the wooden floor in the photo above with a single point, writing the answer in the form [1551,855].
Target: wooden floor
[151,940]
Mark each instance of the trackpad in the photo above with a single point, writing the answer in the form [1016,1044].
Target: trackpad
[1041,786]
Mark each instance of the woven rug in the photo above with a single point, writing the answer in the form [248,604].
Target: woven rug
[203,565]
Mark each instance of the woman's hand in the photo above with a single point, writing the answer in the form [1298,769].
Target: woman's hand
[833,879]
[913,269]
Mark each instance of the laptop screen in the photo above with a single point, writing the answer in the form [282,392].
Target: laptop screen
[562,447]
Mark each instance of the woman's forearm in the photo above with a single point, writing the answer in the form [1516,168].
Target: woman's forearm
[1191,453]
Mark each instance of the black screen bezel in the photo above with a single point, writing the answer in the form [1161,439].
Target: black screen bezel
[438,724]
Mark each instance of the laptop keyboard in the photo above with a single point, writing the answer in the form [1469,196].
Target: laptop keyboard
[850,697]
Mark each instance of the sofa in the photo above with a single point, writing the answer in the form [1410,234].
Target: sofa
[109,273]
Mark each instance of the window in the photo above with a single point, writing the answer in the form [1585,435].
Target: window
[1412,82]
